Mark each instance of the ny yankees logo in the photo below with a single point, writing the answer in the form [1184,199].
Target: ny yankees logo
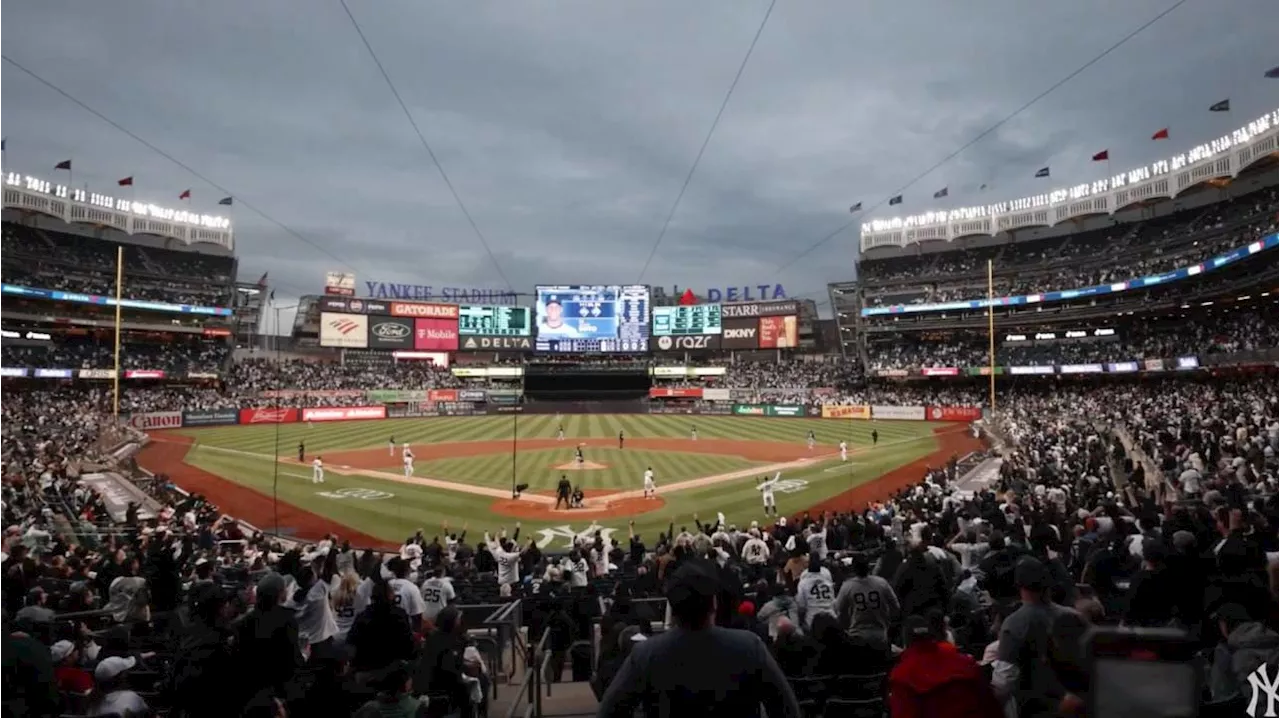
[1262,688]
[567,533]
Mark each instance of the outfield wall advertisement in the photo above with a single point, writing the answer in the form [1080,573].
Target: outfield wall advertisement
[154,420]
[955,413]
[344,413]
[845,411]
[211,417]
[269,415]
[898,413]
[789,410]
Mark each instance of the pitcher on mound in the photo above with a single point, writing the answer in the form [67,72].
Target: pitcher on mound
[577,456]
[650,488]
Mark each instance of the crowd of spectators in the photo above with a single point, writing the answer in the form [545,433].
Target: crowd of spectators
[939,600]
[1245,329]
[53,260]
[175,358]
[1075,260]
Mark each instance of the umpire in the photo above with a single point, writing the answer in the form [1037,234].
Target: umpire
[563,490]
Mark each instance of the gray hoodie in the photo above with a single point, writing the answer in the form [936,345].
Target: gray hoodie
[1248,646]
[778,607]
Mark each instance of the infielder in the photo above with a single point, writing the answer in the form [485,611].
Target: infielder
[560,432]
[811,440]
[391,446]
[844,451]
[408,461]
[766,494]
[650,488]
[317,471]
[693,433]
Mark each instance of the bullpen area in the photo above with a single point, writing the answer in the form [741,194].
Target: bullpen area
[465,468]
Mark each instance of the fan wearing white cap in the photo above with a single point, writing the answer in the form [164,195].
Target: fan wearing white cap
[113,696]
[70,677]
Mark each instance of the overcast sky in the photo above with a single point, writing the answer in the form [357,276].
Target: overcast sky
[568,127]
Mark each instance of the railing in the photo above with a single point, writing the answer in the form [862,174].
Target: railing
[535,667]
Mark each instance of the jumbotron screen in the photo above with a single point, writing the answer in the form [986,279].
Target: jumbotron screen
[609,319]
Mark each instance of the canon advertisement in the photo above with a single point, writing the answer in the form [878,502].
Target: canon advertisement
[390,333]
[740,333]
[156,420]
[436,335]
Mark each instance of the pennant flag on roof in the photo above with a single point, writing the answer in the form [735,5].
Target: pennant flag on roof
[125,182]
[63,165]
[688,299]
[1103,155]
[895,200]
[1273,73]
[186,194]
[1161,135]
[940,193]
[225,201]
[1042,172]
[1223,106]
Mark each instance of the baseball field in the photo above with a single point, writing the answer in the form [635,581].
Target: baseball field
[465,468]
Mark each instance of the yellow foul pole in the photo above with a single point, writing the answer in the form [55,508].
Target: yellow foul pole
[119,296]
[991,331]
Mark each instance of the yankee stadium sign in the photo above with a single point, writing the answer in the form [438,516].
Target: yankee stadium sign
[429,292]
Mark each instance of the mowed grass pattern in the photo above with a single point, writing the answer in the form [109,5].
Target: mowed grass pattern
[624,472]
[244,454]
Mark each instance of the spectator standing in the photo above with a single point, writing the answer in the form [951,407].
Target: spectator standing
[697,668]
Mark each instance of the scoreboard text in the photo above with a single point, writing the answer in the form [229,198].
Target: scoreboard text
[686,320]
[494,321]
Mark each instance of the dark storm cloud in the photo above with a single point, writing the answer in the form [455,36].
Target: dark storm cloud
[568,127]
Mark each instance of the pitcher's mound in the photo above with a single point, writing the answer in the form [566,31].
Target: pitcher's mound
[584,466]
[598,505]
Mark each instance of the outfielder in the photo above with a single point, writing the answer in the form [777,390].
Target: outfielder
[317,471]
[408,461]
[766,494]
[650,488]
[844,451]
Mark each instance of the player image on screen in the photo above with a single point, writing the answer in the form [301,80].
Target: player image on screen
[552,325]
[592,318]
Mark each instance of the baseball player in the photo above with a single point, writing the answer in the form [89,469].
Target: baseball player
[766,494]
[391,446]
[302,451]
[693,433]
[812,440]
[405,449]
[844,451]
[317,471]
[408,461]
[620,437]
[875,437]
[560,432]
[578,458]
[650,488]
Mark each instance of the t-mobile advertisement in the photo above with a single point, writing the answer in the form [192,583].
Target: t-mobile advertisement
[439,335]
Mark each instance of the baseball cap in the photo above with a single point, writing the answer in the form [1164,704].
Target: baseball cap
[1031,573]
[693,580]
[60,650]
[916,628]
[113,666]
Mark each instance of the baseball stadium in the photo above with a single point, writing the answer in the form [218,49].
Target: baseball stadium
[1061,400]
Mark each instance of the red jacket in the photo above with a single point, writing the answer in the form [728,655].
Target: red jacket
[934,680]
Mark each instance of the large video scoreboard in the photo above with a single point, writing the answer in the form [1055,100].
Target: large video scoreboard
[593,318]
[494,321]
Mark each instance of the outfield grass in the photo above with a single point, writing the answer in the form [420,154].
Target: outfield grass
[245,454]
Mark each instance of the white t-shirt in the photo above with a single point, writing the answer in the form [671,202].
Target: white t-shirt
[408,597]
[508,564]
[437,592]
